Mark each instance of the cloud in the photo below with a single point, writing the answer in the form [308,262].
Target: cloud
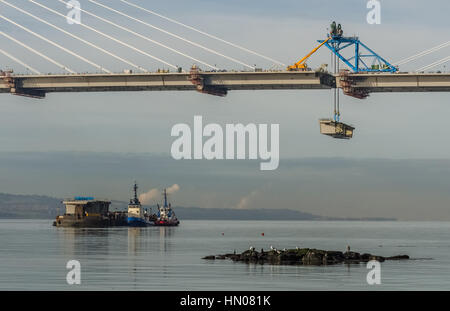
[247,200]
[147,197]
[153,194]
[172,189]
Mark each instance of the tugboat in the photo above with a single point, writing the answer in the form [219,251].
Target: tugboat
[166,216]
[136,215]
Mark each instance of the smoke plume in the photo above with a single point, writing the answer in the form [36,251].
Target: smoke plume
[150,196]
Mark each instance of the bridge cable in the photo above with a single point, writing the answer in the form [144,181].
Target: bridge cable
[436,63]
[423,53]
[145,38]
[204,33]
[56,44]
[38,53]
[109,37]
[173,35]
[19,62]
[76,37]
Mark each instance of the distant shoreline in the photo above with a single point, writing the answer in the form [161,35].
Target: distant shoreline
[222,219]
[43,207]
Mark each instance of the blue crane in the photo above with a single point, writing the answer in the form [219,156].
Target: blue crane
[364,59]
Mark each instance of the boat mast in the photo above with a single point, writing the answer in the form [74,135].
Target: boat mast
[135,199]
[165,198]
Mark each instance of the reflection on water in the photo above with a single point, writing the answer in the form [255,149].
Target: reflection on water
[33,255]
[93,241]
[134,246]
[139,238]
[134,254]
[83,241]
[133,240]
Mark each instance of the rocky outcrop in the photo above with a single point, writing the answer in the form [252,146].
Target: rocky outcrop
[302,256]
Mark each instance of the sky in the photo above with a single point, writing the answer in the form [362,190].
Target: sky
[389,127]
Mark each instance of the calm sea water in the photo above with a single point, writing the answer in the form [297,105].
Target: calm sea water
[33,256]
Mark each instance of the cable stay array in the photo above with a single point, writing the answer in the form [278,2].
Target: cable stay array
[436,63]
[422,54]
[144,37]
[425,53]
[358,63]
[38,53]
[77,38]
[172,34]
[109,37]
[28,67]
[55,44]
[204,33]
[134,48]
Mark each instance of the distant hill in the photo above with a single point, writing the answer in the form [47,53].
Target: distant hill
[242,214]
[28,206]
[44,207]
[253,214]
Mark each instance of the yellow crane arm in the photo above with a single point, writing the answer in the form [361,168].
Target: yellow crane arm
[301,63]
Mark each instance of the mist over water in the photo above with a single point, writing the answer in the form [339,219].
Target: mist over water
[34,256]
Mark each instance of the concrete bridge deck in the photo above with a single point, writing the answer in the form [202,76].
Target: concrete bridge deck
[167,81]
[402,82]
[39,85]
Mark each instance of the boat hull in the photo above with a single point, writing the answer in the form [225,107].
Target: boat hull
[138,222]
[99,221]
[162,223]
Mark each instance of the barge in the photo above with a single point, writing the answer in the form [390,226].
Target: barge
[89,212]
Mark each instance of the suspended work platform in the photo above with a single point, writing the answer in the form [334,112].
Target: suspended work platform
[335,129]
